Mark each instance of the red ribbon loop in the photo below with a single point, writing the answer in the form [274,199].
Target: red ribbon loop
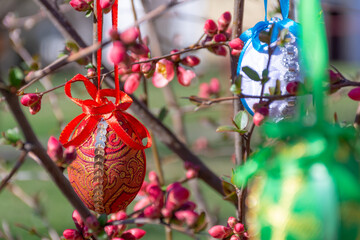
[100,107]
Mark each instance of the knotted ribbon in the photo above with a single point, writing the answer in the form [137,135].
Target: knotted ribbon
[99,107]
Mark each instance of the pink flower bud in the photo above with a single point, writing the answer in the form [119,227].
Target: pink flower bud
[69,154]
[214,86]
[164,73]
[235,52]
[120,215]
[79,223]
[156,195]
[30,99]
[80,5]
[114,34]
[354,94]
[236,43]
[171,206]
[130,35]
[219,231]
[153,178]
[127,236]
[71,234]
[148,69]
[258,118]
[152,212]
[92,222]
[140,49]
[111,230]
[141,204]
[167,213]
[292,87]
[189,205]
[210,27]
[334,77]
[220,37]
[232,221]
[91,72]
[187,216]
[191,173]
[137,232]
[185,76]
[135,68]
[117,52]
[235,237]
[239,228]
[201,143]
[178,195]
[132,83]
[218,50]
[224,21]
[190,61]
[86,233]
[175,58]
[143,188]
[35,108]
[204,90]
[172,186]
[263,110]
[54,149]
[106,5]
[246,236]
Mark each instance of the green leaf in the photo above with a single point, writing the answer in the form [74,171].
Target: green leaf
[235,90]
[251,73]
[277,88]
[16,76]
[12,136]
[89,65]
[265,75]
[241,120]
[102,219]
[230,129]
[200,223]
[163,113]
[88,13]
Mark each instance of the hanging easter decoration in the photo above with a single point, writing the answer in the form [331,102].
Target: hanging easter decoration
[306,185]
[283,65]
[110,165]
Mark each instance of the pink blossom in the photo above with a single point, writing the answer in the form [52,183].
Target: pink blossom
[91,72]
[235,237]
[188,216]
[164,73]
[71,234]
[137,232]
[79,223]
[214,86]
[190,61]
[236,43]
[142,204]
[219,231]
[152,212]
[167,213]
[111,230]
[117,52]
[92,222]
[232,221]
[155,193]
[210,27]
[239,228]
[130,35]
[204,90]
[176,57]
[191,173]
[178,195]
[218,50]
[260,115]
[80,5]
[235,52]
[34,109]
[106,5]
[30,99]
[224,21]
[185,76]
[54,149]
[354,94]
[135,68]
[220,37]
[153,178]
[132,83]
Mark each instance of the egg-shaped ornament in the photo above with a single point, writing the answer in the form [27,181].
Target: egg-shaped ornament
[305,186]
[110,165]
[271,51]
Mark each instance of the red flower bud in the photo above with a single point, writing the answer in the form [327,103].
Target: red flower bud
[106,5]
[173,186]
[191,173]
[258,118]
[232,221]
[167,213]
[156,195]
[235,52]
[34,109]
[178,195]
[210,27]
[152,212]
[218,50]
[148,69]
[117,52]
[292,87]
[334,76]
[79,223]
[120,215]
[54,149]
[185,76]
[130,35]
[236,43]
[141,204]
[220,37]
[219,231]
[137,232]
[204,90]
[224,21]
[71,234]
[30,99]
[187,216]
[80,5]
[190,61]
[354,94]
[135,68]
[127,236]
[239,228]
[140,49]
[111,230]
[69,154]
[114,34]
[176,57]
[214,86]
[91,72]
[235,237]
[132,83]
[189,205]
[92,222]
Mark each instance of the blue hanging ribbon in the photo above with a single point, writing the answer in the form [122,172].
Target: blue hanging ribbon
[252,35]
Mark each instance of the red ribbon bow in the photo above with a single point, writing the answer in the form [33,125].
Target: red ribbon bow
[100,107]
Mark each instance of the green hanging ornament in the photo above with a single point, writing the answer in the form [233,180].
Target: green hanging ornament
[306,184]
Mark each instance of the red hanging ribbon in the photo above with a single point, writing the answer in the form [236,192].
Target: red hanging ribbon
[97,108]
